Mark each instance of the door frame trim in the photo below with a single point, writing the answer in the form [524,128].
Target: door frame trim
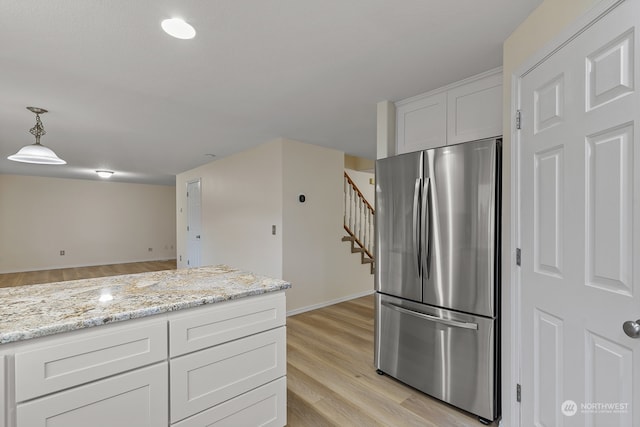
[511,315]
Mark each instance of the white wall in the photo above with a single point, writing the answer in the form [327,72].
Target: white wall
[361,180]
[244,194]
[241,200]
[320,266]
[386,130]
[94,222]
[542,26]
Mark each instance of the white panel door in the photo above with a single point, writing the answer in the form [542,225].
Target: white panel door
[194,223]
[580,229]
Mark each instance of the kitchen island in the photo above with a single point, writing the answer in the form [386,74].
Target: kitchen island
[184,348]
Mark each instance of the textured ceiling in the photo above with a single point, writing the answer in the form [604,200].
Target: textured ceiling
[125,96]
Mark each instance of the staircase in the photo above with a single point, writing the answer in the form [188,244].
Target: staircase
[359,223]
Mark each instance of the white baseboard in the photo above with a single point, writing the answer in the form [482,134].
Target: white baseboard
[328,303]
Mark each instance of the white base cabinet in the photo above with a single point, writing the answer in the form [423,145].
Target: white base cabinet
[138,398]
[461,112]
[264,406]
[219,364]
[236,366]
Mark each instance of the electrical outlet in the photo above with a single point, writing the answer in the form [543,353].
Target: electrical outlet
[273,230]
[61,253]
[150,249]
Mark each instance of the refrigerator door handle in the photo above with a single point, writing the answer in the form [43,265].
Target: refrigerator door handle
[426,205]
[417,198]
[454,323]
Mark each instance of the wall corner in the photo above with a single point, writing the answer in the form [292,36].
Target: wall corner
[386,129]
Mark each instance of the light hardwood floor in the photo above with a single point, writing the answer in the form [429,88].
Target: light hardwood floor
[331,378]
[63,274]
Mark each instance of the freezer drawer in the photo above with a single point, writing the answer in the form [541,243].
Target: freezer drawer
[448,355]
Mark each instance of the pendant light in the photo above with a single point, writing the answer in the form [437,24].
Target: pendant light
[37,153]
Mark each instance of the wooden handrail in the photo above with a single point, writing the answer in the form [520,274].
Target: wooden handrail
[355,187]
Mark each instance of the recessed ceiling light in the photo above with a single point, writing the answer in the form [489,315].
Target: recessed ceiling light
[104,173]
[179,29]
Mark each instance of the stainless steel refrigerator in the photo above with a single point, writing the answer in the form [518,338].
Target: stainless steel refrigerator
[438,273]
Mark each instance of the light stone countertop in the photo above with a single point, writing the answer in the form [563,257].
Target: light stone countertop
[34,311]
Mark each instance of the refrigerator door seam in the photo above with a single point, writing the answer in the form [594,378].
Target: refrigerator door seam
[454,323]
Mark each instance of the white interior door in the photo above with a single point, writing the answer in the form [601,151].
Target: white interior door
[194,223]
[579,227]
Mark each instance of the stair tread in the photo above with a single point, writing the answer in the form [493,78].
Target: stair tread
[364,257]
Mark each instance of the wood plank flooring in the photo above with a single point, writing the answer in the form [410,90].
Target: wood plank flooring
[63,274]
[331,378]
[332,381]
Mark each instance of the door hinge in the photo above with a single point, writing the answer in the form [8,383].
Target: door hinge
[518,393]
[518,120]
[187,228]
[518,256]
[187,194]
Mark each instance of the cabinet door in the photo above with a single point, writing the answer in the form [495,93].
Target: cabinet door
[208,377]
[422,123]
[138,398]
[475,110]
[264,406]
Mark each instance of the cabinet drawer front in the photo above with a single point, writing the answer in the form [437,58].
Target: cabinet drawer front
[264,406]
[224,322]
[137,398]
[204,379]
[75,360]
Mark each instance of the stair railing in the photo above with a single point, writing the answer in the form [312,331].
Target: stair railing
[358,216]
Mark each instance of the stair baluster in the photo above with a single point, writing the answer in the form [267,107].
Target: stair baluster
[359,222]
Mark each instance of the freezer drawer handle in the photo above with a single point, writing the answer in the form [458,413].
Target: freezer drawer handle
[436,319]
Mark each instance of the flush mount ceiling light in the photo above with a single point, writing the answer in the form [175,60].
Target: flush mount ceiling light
[177,28]
[104,173]
[37,153]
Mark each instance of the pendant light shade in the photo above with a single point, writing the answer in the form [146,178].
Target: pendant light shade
[37,153]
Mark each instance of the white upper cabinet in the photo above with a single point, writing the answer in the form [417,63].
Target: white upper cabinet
[474,110]
[422,123]
[464,111]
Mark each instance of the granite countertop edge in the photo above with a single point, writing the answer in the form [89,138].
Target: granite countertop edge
[218,293]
